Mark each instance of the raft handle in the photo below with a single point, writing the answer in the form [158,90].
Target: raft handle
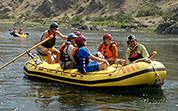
[73,75]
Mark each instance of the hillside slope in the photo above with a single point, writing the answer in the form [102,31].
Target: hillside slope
[55,10]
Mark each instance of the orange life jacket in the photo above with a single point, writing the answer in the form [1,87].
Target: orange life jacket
[20,32]
[74,52]
[106,50]
[15,31]
[62,46]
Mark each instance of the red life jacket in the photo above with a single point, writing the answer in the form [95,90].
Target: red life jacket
[134,55]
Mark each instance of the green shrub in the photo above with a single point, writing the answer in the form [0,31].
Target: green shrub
[4,16]
[118,17]
[87,18]
[100,18]
[124,18]
[149,12]
[118,25]
[80,10]
[77,19]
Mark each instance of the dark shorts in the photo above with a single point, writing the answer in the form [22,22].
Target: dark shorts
[92,66]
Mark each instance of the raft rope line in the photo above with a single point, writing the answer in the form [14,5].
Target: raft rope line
[158,77]
[38,62]
[71,72]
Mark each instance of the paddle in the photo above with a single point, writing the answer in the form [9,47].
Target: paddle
[27,33]
[24,53]
[154,53]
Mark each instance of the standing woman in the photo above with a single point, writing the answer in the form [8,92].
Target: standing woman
[48,47]
[135,50]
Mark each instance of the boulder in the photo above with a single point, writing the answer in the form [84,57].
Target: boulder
[167,28]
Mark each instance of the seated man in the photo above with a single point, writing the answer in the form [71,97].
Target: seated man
[85,61]
[135,50]
[66,58]
[108,49]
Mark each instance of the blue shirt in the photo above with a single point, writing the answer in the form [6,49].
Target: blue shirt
[83,55]
[82,52]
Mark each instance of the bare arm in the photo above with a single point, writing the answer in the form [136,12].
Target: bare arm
[97,59]
[45,35]
[61,35]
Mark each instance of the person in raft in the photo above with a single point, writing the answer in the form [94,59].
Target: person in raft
[66,58]
[48,47]
[14,30]
[108,49]
[20,31]
[135,50]
[77,33]
[85,61]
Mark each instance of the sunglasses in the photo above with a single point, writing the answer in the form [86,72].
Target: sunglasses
[108,39]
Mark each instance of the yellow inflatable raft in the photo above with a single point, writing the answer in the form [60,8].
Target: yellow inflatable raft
[19,35]
[139,74]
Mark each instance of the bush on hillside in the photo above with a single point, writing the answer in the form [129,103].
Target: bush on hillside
[5,16]
[77,19]
[149,12]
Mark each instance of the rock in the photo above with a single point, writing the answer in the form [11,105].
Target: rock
[167,28]
[7,9]
[46,8]
[95,27]
[80,26]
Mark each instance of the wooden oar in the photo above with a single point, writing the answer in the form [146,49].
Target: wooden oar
[25,53]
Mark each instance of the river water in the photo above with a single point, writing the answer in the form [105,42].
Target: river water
[18,93]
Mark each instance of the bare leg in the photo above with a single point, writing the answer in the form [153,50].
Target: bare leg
[49,56]
[102,66]
[57,53]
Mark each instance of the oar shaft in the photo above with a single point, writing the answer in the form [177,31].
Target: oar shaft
[24,53]
[39,44]
[13,60]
